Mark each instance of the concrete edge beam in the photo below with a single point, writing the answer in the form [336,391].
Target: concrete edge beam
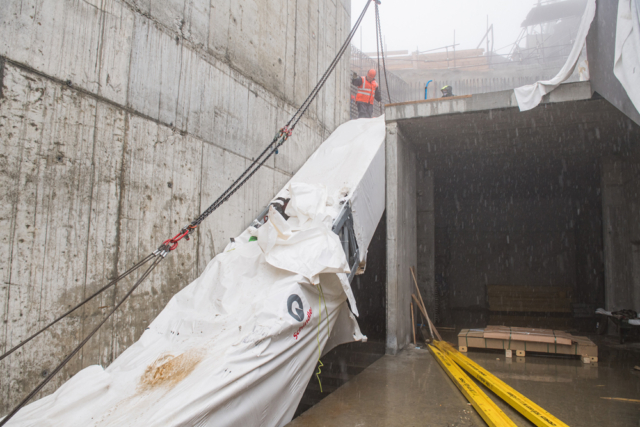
[566,92]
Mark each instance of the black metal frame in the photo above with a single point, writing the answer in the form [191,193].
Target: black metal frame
[343,227]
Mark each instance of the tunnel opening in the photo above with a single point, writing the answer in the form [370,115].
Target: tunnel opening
[522,219]
[517,238]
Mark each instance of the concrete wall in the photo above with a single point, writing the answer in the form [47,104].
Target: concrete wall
[120,120]
[401,209]
[513,242]
[621,232]
[485,219]
[426,238]
[601,48]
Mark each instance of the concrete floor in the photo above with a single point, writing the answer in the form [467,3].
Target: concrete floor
[411,389]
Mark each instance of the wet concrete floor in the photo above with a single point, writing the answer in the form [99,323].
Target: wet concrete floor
[411,389]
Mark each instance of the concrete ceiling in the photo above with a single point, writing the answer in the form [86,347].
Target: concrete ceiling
[554,150]
[590,128]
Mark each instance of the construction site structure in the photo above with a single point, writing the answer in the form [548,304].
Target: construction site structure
[539,51]
[108,153]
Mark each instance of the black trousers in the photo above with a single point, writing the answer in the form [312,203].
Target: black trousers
[365,110]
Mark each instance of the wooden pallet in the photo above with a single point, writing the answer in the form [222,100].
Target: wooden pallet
[582,347]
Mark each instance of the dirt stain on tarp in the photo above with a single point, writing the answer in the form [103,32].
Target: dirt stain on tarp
[169,370]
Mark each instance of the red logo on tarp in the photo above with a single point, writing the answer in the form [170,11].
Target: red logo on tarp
[309,313]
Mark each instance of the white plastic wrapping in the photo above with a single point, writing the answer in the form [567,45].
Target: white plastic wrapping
[627,56]
[237,346]
[529,96]
[604,312]
[350,164]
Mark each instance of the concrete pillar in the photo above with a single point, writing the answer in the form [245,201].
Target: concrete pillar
[636,275]
[426,240]
[401,236]
[618,263]
[632,195]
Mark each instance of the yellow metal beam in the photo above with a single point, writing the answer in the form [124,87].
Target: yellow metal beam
[520,403]
[487,409]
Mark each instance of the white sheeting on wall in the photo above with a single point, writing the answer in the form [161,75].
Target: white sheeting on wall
[626,66]
[529,96]
[237,346]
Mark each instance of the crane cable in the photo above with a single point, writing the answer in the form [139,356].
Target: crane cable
[170,245]
[379,42]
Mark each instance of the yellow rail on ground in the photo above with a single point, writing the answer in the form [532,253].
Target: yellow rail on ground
[487,409]
[520,403]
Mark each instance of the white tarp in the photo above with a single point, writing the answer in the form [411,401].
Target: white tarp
[329,163]
[626,66]
[604,312]
[529,96]
[238,346]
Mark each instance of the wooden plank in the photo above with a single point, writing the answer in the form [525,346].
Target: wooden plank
[413,324]
[422,306]
[527,334]
[581,346]
[532,411]
[485,407]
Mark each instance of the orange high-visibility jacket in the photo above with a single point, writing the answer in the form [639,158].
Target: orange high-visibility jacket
[366,91]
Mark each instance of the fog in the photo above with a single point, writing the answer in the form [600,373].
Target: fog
[407,24]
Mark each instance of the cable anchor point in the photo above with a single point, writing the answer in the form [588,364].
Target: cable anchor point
[171,244]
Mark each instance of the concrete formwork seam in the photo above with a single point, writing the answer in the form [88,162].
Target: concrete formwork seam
[1,76]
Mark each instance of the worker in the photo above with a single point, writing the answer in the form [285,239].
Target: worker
[368,90]
[447,91]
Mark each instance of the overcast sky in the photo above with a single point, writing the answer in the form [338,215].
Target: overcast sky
[429,24]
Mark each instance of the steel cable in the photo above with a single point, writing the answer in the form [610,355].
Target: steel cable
[66,360]
[332,66]
[104,288]
[384,65]
[171,244]
[283,134]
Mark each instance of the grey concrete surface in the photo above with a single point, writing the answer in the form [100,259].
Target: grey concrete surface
[518,197]
[411,389]
[601,42]
[402,248]
[481,102]
[426,237]
[119,121]
[621,232]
